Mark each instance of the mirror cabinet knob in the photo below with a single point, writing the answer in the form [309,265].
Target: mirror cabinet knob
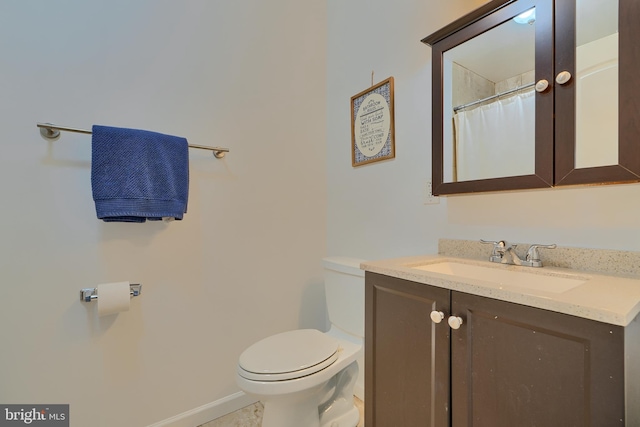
[455,322]
[542,85]
[563,77]
[437,316]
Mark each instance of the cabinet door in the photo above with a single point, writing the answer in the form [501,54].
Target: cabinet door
[597,122]
[406,354]
[491,130]
[520,366]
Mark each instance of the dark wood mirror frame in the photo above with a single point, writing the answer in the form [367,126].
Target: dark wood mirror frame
[555,108]
[628,167]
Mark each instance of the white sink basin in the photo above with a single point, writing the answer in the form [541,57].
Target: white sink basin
[500,276]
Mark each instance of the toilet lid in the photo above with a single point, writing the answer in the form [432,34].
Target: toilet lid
[288,355]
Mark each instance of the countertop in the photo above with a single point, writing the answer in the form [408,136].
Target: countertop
[604,298]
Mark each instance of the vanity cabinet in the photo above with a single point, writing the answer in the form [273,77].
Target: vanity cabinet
[536,93]
[506,365]
[406,357]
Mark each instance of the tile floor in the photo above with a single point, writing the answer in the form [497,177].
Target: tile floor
[251,416]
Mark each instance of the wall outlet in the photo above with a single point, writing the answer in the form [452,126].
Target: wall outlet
[429,198]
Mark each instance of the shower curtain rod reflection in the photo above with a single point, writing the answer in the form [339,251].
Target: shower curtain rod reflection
[51,131]
[489,98]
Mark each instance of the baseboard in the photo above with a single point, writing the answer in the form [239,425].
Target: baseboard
[208,412]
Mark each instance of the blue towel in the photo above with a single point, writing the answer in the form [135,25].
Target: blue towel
[138,175]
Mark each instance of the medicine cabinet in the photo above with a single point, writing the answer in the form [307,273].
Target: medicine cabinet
[536,93]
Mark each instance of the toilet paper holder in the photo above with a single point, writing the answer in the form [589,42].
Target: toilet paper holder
[89,294]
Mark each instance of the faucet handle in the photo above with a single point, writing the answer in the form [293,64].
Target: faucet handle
[495,244]
[532,253]
[498,244]
[499,248]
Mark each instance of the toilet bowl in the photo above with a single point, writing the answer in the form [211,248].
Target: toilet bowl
[307,377]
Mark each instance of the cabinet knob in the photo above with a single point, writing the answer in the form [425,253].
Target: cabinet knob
[563,77]
[437,316]
[542,85]
[455,322]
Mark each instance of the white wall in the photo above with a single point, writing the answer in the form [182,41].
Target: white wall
[246,260]
[377,211]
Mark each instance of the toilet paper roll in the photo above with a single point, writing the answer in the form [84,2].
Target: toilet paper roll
[113,298]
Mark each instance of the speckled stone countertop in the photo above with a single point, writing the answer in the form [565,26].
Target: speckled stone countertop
[601,261]
[612,297]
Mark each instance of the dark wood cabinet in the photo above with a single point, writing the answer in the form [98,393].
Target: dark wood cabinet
[627,167]
[586,124]
[513,365]
[507,364]
[406,355]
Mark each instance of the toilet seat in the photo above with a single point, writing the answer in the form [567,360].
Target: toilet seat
[288,355]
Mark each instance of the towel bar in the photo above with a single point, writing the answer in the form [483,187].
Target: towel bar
[51,131]
[89,294]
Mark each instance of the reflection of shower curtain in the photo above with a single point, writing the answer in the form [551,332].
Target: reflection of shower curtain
[497,139]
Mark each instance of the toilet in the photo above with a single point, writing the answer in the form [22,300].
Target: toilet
[307,377]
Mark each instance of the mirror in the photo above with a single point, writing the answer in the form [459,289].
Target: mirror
[534,94]
[489,103]
[596,83]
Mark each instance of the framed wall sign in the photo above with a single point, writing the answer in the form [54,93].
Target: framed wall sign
[372,124]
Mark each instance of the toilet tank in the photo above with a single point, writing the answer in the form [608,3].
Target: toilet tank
[344,290]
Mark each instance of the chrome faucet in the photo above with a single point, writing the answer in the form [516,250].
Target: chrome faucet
[505,253]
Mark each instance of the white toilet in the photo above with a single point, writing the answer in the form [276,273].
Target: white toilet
[306,378]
